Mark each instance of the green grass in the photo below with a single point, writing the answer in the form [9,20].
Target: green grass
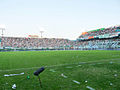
[98,68]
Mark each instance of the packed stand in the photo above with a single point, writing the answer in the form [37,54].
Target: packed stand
[112,31]
[36,42]
[101,44]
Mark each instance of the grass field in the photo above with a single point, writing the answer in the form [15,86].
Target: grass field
[64,70]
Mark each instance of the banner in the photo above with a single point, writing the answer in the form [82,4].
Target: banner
[114,34]
[106,36]
[90,37]
[101,36]
[83,33]
[102,29]
[33,36]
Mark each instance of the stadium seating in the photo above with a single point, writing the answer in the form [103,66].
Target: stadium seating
[101,33]
[103,38]
[19,42]
[101,44]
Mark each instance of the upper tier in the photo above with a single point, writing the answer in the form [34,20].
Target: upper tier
[101,33]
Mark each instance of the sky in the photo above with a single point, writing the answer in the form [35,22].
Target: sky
[57,18]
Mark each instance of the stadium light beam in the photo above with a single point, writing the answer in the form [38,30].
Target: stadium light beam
[36,73]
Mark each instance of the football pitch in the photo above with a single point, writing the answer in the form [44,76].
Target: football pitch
[64,70]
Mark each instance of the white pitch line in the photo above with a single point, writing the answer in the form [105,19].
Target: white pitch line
[59,65]
[76,81]
[90,88]
[63,75]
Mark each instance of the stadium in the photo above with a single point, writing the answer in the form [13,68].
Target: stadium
[103,38]
[89,62]
[66,68]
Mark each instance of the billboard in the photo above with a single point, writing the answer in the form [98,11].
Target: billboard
[33,36]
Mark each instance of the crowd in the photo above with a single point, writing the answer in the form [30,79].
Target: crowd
[109,30]
[36,42]
[101,43]
[20,42]
[17,42]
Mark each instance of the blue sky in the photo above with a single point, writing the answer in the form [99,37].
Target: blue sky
[58,18]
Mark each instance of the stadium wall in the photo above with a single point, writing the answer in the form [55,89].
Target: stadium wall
[82,49]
